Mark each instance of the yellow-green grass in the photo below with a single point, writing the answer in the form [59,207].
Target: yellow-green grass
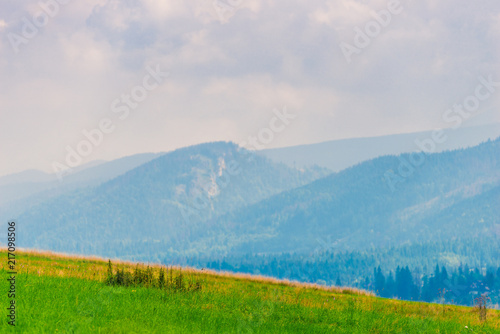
[66,294]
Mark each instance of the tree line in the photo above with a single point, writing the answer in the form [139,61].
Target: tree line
[461,286]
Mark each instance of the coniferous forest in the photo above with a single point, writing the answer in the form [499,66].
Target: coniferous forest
[461,286]
[445,272]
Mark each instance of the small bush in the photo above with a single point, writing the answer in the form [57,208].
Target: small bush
[149,278]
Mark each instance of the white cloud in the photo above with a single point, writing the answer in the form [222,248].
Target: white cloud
[164,10]
[343,12]
[226,78]
[84,54]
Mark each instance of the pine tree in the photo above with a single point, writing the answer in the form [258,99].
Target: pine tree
[379,281]
[444,276]
[390,286]
[338,282]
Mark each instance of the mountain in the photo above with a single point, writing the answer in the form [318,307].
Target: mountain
[217,199]
[27,176]
[37,176]
[341,154]
[158,205]
[380,203]
[22,190]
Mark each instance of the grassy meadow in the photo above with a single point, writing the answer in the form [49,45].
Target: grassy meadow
[64,294]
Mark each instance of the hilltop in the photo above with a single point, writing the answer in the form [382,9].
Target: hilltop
[154,209]
[383,202]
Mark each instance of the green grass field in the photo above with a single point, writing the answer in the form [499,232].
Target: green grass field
[56,294]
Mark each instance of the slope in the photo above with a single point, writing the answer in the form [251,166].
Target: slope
[372,205]
[153,210]
[60,294]
[22,190]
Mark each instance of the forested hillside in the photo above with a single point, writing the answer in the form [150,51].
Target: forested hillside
[450,195]
[410,268]
[162,203]
[23,190]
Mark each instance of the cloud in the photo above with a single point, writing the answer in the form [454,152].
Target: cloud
[227,76]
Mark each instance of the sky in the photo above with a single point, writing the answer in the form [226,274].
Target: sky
[107,79]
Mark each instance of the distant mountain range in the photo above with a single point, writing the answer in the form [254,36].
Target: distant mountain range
[341,154]
[21,190]
[453,194]
[16,189]
[217,199]
[161,202]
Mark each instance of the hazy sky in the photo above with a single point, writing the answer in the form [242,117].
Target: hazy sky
[230,64]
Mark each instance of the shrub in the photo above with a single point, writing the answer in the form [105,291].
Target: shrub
[147,278]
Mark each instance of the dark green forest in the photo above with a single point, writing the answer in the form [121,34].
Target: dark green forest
[452,272]
[461,286]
